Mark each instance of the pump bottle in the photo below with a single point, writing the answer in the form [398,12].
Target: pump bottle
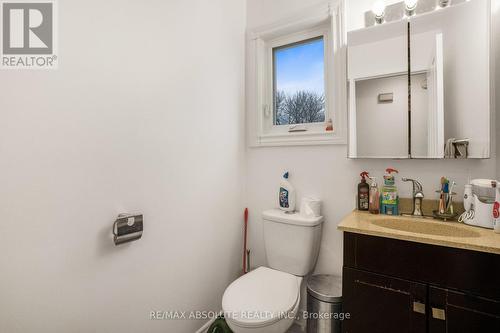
[363,193]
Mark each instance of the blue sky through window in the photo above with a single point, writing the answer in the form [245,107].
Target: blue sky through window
[299,83]
[300,67]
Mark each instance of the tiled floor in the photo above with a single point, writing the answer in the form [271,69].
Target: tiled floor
[296,329]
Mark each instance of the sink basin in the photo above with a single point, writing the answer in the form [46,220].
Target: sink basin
[427,228]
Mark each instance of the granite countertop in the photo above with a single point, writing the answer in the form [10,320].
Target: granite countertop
[420,230]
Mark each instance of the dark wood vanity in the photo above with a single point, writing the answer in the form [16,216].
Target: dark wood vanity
[392,285]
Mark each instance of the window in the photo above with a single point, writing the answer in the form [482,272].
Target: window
[296,85]
[299,82]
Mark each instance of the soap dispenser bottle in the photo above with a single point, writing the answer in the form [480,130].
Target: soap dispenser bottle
[389,202]
[363,193]
[374,197]
[286,195]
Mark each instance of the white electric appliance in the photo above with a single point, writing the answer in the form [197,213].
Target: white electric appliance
[479,199]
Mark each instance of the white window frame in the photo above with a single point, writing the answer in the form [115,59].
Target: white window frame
[269,127]
[260,99]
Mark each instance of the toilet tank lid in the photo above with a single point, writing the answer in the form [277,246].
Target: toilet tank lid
[295,218]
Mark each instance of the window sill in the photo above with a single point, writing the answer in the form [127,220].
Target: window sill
[299,139]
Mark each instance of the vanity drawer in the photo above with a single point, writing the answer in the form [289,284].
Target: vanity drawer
[468,271]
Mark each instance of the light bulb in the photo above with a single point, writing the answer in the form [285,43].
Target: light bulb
[378,10]
[411,5]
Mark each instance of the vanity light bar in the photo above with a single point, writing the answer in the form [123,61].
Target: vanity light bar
[380,13]
[410,6]
[378,10]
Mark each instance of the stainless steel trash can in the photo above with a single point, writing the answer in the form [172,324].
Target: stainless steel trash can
[324,304]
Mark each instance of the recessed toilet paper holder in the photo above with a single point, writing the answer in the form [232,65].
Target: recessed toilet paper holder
[127,228]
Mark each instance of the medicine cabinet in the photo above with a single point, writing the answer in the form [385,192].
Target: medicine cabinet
[419,87]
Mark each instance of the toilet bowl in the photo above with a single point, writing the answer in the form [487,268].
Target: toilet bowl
[264,300]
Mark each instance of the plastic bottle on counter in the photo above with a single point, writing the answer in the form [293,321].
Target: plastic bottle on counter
[374,202]
[389,202]
[363,193]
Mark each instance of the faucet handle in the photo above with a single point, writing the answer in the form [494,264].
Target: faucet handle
[417,186]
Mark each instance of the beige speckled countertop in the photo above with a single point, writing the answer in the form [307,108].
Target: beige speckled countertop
[427,231]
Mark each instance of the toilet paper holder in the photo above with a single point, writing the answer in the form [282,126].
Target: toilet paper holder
[127,228]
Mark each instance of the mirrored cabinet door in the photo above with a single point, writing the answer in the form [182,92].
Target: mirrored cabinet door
[419,86]
[450,102]
[426,98]
[378,92]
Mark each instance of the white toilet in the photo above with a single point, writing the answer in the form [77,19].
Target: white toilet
[266,299]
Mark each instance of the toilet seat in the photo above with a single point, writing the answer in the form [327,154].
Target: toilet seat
[261,298]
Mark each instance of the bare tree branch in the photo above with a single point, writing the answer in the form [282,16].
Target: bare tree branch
[301,107]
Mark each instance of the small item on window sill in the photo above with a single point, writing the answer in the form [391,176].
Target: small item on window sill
[297,128]
[329,125]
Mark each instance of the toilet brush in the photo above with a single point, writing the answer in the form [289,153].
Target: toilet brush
[245,264]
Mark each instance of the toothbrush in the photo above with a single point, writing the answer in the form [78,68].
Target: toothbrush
[449,205]
[441,198]
[441,203]
[453,184]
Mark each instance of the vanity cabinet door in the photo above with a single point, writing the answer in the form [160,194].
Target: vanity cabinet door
[456,312]
[381,304]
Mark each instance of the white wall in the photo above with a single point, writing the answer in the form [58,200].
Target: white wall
[466,70]
[370,56]
[496,78]
[325,171]
[376,133]
[375,130]
[144,114]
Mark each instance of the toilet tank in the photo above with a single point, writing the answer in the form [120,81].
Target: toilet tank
[291,241]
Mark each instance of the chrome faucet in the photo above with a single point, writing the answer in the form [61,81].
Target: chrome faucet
[418,196]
